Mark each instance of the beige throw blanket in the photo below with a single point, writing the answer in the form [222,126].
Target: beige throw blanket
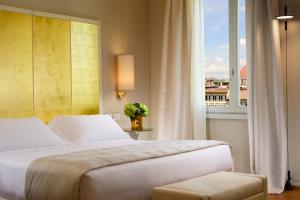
[58,177]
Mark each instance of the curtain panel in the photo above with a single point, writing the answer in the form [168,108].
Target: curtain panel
[182,112]
[182,86]
[266,108]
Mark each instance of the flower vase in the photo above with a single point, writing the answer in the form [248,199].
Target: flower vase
[137,123]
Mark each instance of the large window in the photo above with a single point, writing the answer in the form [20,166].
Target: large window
[225,56]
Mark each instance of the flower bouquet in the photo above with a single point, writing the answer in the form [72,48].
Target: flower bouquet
[136,112]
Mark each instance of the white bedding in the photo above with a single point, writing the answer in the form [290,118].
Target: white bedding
[132,181]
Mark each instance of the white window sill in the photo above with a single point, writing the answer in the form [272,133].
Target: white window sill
[215,115]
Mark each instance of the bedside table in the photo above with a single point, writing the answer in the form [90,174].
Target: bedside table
[134,134]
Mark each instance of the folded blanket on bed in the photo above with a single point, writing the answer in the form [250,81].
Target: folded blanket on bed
[58,177]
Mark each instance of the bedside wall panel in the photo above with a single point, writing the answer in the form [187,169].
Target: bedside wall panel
[85,68]
[52,67]
[16,76]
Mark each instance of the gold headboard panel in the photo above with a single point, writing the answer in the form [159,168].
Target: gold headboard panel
[85,73]
[52,67]
[16,83]
[48,66]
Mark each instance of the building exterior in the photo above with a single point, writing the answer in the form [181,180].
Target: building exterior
[243,86]
[217,91]
[217,96]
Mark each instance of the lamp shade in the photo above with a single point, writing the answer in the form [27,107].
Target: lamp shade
[285,16]
[125,72]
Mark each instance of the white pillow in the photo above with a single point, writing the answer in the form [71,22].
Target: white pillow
[87,128]
[26,133]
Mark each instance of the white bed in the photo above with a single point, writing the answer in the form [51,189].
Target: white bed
[120,182]
[23,141]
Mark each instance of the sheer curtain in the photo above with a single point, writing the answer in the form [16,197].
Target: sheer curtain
[266,114]
[182,113]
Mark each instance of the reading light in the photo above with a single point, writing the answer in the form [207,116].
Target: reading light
[288,186]
[285,17]
[125,75]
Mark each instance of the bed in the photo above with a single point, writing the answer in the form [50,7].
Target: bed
[134,180]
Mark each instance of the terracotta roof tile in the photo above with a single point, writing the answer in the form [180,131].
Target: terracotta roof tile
[216,90]
[243,72]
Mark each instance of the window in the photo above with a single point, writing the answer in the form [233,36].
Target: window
[225,56]
[242,55]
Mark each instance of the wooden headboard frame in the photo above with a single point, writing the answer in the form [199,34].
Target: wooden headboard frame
[50,64]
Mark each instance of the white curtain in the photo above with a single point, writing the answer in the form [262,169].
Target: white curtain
[181,113]
[266,114]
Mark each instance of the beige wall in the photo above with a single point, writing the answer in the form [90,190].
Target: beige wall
[157,8]
[293,86]
[125,30]
[234,132]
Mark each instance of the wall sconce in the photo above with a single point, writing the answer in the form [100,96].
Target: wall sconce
[125,75]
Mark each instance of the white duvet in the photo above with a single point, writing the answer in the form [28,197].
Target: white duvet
[131,181]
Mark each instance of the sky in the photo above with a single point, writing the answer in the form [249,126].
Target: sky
[216,37]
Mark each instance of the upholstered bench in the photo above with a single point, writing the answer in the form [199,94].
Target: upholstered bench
[217,186]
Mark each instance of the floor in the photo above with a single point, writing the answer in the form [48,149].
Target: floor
[293,195]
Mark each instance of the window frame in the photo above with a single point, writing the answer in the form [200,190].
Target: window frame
[234,106]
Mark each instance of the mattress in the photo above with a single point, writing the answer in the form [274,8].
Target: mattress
[131,181]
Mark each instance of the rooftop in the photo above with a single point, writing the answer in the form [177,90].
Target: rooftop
[216,90]
[243,72]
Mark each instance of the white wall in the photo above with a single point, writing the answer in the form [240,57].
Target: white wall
[293,86]
[234,132]
[125,29]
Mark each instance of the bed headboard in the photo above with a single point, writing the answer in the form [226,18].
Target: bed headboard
[49,65]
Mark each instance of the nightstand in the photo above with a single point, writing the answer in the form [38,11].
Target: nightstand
[134,134]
